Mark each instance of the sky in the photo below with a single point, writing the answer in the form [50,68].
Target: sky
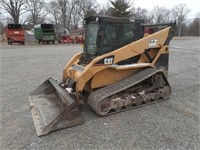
[193,5]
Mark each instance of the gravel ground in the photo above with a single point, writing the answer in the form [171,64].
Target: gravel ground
[171,124]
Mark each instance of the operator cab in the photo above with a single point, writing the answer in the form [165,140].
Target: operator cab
[106,34]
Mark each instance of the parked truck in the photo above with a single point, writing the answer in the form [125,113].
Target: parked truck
[15,34]
[45,33]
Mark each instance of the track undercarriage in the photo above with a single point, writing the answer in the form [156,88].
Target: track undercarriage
[145,87]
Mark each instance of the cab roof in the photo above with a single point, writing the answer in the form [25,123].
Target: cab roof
[110,19]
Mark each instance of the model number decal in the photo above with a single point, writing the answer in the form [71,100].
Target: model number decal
[153,42]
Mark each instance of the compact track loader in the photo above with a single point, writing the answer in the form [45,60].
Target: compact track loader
[121,67]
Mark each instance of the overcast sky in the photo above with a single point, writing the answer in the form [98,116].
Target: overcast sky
[193,5]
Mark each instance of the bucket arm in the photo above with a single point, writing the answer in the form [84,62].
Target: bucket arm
[82,74]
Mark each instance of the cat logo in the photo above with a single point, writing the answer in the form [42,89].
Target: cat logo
[108,61]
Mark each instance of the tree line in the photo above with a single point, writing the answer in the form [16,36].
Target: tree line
[70,13]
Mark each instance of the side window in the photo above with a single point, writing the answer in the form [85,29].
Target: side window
[117,35]
[128,33]
[110,35]
[110,39]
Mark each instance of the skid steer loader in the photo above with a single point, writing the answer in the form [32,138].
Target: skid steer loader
[121,67]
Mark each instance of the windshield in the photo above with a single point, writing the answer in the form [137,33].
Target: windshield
[91,37]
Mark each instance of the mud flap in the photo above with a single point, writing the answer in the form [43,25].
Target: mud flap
[53,108]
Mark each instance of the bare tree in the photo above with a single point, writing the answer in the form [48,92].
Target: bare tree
[1,28]
[71,10]
[66,9]
[64,12]
[194,27]
[1,23]
[63,6]
[160,14]
[13,7]
[180,13]
[35,10]
[141,13]
[53,8]
[87,8]
[105,10]
[70,13]
[76,19]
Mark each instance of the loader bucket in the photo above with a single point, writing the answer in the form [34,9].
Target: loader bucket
[53,108]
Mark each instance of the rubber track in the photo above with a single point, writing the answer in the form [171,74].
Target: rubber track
[100,94]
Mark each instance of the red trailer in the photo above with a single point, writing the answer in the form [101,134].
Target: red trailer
[15,34]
